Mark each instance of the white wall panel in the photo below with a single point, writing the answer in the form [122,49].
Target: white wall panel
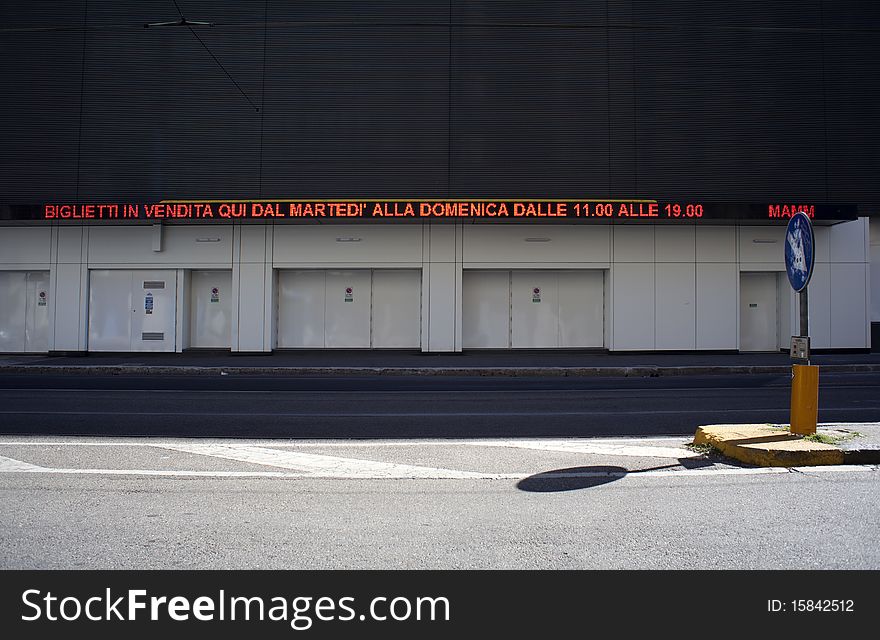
[762,244]
[182,245]
[70,244]
[252,289]
[675,306]
[250,292]
[717,309]
[485,310]
[788,310]
[443,308]
[633,243]
[534,309]
[25,245]
[301,309]
[69,290]
[441,242]
[13,310]
[520,243]
[345,244]
[674,243]
[633,306]
[819,291]
[441,288]
[347,309]
[849,324]
[716,244]
[822,246]
[848,241]
[396,308]
[69,308]
[251,242]
[875,269]
[36,328]
[581,308]
[648,308]
[210,309]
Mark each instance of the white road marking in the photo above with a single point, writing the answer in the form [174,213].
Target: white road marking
[298,464]
[11,464]
[316,465]
[683,473]
[597,448]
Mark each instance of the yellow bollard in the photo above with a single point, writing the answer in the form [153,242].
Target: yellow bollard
[804,398]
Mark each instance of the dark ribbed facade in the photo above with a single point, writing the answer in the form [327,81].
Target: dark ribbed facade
[745,101]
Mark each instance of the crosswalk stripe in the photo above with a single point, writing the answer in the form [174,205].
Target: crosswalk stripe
[11,464]
[316,465]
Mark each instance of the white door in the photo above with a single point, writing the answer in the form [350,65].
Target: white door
[358,308]
[36,328]
[758,309]
[110,310]
[155,310]
[485,300]
[534,309]
[581,309]
[24,311]
[301,309]
[210,309]
[132,310]
[396,317]
[347,298]
[12,311]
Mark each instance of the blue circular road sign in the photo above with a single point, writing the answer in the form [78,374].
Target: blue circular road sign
[799,250]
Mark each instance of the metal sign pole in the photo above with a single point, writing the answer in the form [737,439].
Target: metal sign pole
[805,317]
[799,258]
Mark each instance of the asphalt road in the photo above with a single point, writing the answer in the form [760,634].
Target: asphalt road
[396,472]
[579,504]
[411,407]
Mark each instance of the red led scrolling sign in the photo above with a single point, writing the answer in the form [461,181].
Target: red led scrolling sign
[427,210]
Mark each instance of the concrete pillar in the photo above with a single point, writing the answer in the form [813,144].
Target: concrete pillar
[441,287]
[252,288]
[69,290]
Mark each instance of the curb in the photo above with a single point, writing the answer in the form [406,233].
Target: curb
[763,445]
[637,371]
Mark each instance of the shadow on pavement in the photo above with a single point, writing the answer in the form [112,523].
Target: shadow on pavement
[570,479]
[574,478]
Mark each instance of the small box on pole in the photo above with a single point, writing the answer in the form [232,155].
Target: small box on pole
[800,349]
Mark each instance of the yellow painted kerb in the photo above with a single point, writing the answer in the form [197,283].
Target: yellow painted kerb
[763,445]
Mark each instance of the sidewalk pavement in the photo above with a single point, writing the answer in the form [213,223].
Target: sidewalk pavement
[476,363]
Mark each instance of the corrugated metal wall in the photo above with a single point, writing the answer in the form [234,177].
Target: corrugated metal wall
[738,101]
